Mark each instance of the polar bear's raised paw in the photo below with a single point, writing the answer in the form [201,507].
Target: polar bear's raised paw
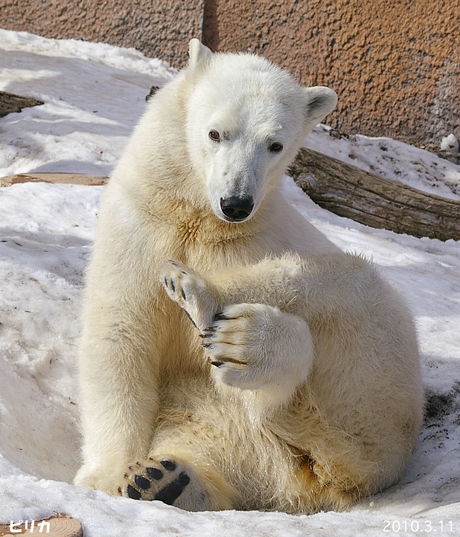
[259,347]
[191,292]
[165,480]
[235,343]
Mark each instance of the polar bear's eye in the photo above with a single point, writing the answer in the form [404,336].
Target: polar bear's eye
[215,136]
[276,147]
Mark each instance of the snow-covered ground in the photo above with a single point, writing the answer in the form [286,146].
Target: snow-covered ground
[93,96]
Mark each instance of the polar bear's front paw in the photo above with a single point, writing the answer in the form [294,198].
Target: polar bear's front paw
[191,292]
[239,344]
[258,347]
[165,480]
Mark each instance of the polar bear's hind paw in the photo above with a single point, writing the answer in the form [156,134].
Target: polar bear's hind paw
[164,480]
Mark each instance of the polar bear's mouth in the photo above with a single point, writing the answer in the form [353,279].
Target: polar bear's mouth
[237,209]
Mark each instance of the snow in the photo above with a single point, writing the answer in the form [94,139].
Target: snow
[449,143]
[390,159]
[93,95]
[86,87]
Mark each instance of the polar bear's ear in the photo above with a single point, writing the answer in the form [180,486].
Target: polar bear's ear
[199,55]
[320,102]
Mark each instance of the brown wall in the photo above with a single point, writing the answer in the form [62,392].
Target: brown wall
[394,64]
[159,28]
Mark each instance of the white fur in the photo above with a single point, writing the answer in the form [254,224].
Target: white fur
[314,398]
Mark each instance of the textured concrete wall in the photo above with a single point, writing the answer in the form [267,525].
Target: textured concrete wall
[394,63]
[159,28]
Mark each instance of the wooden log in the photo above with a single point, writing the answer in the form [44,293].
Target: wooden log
[66,178]
[15,103]
[374,201]
[341,188]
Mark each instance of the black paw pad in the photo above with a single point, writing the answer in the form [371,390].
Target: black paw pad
[133,493]
[184,479]
[171,492]
[154,473]
[142,482]
[168,465]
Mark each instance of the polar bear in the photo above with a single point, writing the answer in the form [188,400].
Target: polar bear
[231,356]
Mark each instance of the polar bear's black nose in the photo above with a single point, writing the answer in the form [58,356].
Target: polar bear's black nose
[237,209]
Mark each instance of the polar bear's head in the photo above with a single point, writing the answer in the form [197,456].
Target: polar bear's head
[246,120]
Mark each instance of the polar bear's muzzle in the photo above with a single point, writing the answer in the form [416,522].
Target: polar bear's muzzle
[237,209]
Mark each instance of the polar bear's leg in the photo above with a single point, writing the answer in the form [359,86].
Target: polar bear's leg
[254,347]
[119,398]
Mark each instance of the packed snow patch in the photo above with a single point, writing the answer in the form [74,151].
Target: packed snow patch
[391,159]
[449,143]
